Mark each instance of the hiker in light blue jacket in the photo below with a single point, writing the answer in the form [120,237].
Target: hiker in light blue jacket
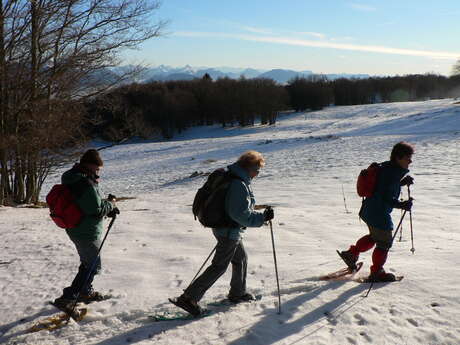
[239,206]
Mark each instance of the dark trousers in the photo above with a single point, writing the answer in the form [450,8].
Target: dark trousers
[227,251]
[383,241]
[87,250]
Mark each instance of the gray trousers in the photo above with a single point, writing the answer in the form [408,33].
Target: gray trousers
[382,238]
[227,251]
[87,250]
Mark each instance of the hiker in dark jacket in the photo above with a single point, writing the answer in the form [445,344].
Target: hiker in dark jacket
[376,212]
[239,205]
[83,180]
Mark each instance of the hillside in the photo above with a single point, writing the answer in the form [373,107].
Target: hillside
[156,247]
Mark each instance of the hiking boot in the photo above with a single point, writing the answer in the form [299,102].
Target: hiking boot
[63,303]
[188,304]
[247,297]
[92,296]
[349,258]
[68,306]
[381,277]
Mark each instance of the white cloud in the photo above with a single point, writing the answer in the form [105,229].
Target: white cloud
[326,44]
[314,34]
[255,30]
[362,7]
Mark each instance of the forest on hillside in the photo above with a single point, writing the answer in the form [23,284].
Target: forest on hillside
[161,109]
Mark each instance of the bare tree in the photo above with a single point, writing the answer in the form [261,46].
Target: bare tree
[53,55]
[456,68]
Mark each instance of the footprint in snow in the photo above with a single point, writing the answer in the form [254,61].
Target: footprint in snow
[361,321]
[365,336]
[413,322]
[351,341]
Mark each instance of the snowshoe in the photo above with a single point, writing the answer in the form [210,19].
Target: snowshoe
[247,297]
[93,296]
[187,304]
[381,277]
[67,306]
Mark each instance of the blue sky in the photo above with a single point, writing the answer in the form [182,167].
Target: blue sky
[330,36]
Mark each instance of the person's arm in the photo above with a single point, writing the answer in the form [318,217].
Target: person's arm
[238,206]
[390,191]
[91,203]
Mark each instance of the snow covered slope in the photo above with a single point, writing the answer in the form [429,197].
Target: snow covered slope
[156,247]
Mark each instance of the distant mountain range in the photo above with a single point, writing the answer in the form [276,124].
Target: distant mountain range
[164,73]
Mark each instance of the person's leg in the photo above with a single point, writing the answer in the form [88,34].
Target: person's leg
[362,245]
[225,250]
[383,240]
[239,271]
[87,250]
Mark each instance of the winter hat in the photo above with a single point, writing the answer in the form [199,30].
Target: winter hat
[91,157]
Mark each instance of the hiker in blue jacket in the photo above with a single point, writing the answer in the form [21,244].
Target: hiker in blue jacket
[376,212]
[239,206]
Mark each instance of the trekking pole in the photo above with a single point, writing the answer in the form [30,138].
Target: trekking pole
[93,266]
[276,267]
[400,234]
[345,201]
[410,220]
[204,263]
[392,240]
[399,226]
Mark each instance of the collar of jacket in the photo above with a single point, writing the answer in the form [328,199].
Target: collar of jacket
[396,168]
[236,169]
[88,173]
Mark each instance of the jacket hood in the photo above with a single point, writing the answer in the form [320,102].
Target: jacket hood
[395,168]
[76,174]
[237,170]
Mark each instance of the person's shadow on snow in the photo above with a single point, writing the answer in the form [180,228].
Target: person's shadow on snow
[273,327]
[149,330]
[4,329]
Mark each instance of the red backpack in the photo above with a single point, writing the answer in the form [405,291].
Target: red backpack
[63,209]
[367,180]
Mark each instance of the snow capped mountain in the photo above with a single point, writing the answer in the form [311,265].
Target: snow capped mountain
[187,72]
[282,76]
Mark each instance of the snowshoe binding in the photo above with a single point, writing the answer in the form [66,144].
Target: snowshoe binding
[349,259]
[188,305]
[67,306]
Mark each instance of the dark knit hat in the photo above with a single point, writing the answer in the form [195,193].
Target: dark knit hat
[91,157]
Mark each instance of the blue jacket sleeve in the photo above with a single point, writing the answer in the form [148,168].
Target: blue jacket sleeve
[239,206]
[391,191]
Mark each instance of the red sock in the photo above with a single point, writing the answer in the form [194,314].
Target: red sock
[379,257]
[363,245]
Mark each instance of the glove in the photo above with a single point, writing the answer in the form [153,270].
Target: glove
[112,197]
[405,205]
[269,214]
[407,181]
[113,213]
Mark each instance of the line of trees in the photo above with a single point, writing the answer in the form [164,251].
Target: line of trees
[169,107]
[56,91]
[164,108]
[50,51]
[316,92]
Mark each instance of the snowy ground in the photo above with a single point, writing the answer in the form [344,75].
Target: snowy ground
[156,246]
